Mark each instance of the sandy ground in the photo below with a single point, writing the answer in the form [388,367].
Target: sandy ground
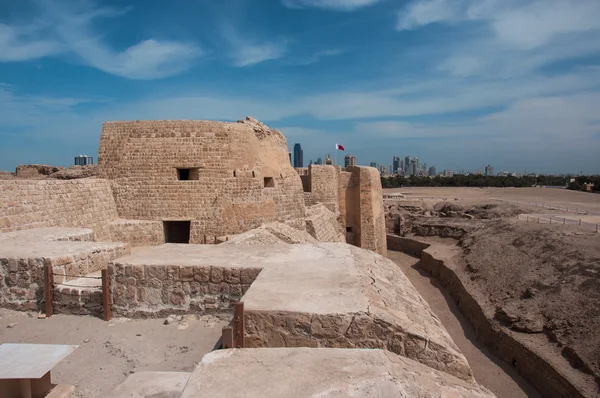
[554,196]
[114,349]
[489,371]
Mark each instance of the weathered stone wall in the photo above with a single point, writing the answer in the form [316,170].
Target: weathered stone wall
[26,204]
[323,186]
[158,290]
[357,195]
[242,176]
[322,224]
[137,232]
[372,214]
[70,254]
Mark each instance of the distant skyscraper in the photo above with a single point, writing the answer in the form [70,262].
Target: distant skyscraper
[382,169]
[407,161]
[328,159]
[489,170]
[432,171]
[401,171]
[83,160]
[448,173]
[373,164]
[298,156]
[319,161]
[417,166]
[349,161]
[395,164]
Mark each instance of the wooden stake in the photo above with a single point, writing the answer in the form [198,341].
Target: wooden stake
[105,295]
[48,288]
[238,317]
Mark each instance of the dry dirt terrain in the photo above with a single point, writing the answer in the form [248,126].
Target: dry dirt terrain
[540,281]
[109,351]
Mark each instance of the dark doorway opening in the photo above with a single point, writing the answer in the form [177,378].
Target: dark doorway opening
[177,231]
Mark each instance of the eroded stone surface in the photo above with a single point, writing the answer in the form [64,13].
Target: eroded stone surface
[304,295]
[305,372]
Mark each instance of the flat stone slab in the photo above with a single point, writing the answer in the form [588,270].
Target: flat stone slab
[321,372]
[31,361]
[50,242]
[152,384]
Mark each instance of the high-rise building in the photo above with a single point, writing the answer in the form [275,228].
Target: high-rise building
[373,164]
[448,173]
[298,156]
[83,160]
[395,164]
[328,159]
[407,161]
[432,171]
[489,170]
[382,169]
[349,161]
[417,166]
[401,169]
[319,161]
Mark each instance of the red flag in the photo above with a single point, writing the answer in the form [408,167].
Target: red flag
[339,147]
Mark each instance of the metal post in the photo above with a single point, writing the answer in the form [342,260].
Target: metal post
[48,288]
[564,220]
[105,295]
[238,316]
[580,222]
[227,337]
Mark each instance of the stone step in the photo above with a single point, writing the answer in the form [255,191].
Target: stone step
[80,296]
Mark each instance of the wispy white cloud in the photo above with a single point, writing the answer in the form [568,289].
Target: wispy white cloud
[336,5]
[69,27]
[247,52]
[509,37]
[25,43]
[565,121]
[317,56]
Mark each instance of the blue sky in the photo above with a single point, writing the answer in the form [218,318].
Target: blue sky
[458,83]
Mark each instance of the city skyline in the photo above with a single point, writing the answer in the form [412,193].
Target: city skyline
[456,82]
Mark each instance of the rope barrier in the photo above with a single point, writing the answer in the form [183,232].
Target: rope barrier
[66,284]
[79,276]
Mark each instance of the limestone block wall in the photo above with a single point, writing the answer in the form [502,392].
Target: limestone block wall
[240,176]
[372,214]
[158,290]
[22,278]
[323,186]
[26,204]
[322,224]
[357,195]
[137,232]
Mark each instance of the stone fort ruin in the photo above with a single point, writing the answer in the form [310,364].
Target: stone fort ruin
[175,189]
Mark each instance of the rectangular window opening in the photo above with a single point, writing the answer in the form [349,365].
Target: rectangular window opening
[188,174]
[269,182]
[348,229]
[177,231]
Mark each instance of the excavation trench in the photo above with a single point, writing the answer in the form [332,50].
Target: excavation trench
[499,376]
